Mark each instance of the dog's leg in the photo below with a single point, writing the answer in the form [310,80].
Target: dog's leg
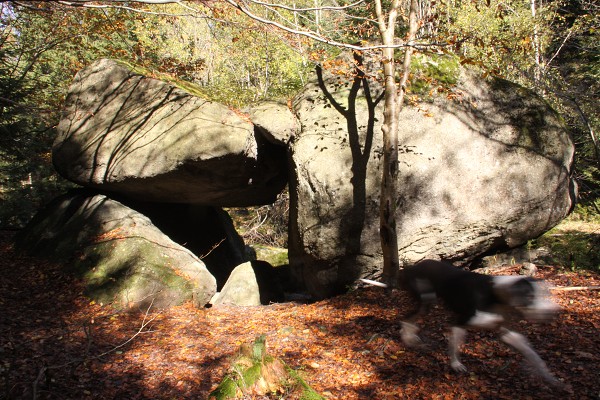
[520,343]
[409,336]
[409,330]
[457,339]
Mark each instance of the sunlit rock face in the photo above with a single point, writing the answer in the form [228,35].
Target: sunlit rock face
[150,139]
[484,166]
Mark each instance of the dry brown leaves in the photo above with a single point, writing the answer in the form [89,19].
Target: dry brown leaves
[57,344]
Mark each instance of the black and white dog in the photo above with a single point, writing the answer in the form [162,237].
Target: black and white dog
[479,301]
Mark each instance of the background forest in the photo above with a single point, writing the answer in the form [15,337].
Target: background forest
[551,46]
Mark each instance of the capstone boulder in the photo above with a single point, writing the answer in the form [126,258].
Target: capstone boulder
[275,121]
[152,139]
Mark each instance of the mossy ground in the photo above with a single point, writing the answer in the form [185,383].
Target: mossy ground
[276,256]
[574,243]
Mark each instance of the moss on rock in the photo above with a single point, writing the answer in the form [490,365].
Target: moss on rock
[122,257]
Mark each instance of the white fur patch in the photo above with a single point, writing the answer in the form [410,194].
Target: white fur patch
[541,309]
[505,280]
[483,319]
[520,343]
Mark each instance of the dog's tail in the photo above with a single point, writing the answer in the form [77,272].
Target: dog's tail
[374,283]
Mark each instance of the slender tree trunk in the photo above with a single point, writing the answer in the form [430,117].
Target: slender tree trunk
[389,192]
[393,100]
[537,73]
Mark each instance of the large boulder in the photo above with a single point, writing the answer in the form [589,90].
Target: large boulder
[482,167]
[121,256]
[156,140]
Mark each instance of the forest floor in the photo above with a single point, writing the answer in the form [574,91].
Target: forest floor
[57,344]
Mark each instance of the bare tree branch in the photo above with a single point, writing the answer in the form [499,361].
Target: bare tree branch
[86,4]
[309,34]
[320,8]
[242,7]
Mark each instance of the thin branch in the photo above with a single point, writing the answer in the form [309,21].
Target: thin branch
[412,32]
[559,49]
[86,4]
[322,8]
[143,325]
[586,121]
[212,249]
[40,375]
[309,34]
[245,10]
[43,372]
[83,3]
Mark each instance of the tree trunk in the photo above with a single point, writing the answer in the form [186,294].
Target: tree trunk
[387,202]
[537,72]
[392,106]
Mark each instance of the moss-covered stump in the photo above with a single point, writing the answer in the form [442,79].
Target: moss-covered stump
[256,373]
[121,256]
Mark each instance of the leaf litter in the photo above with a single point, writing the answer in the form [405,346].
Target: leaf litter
[55,343]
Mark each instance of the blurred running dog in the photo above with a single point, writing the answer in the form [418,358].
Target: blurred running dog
[479,301]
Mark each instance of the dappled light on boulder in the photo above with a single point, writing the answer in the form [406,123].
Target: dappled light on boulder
[153,140]
[483,165]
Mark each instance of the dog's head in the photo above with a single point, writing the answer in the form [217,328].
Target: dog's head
[527,295]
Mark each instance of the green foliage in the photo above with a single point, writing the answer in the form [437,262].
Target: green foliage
[235,63]
[39,54]
[431,72]
[43,46]
[497,35]
[588,211]
[574,244]
[589,184]
[576,84]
